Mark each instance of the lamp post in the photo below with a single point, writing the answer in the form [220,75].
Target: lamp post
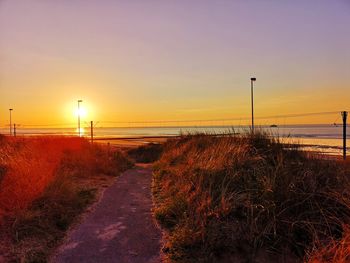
[252,98]
[79,132]
[10,121]
[345,116]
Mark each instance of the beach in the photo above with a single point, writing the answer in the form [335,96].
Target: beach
[323,138]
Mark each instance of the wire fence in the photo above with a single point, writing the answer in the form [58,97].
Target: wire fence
[315,128]
[281,119]
[333,119]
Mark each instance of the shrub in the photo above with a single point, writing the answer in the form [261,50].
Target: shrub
[146,153]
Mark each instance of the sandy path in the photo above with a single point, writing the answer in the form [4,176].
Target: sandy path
[120,228]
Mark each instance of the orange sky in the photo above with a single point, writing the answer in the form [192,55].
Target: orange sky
[173,61]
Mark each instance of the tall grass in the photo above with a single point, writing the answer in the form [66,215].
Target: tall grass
[45,183]
[248,197]
[30,165]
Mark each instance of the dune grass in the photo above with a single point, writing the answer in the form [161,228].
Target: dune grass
[251,199]
[45,183]
[148,153]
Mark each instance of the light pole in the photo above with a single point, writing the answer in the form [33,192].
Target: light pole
[252,97]
[79,101]
[345,116]
[10,121]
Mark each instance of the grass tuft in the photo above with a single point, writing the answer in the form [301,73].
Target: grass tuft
[223,196]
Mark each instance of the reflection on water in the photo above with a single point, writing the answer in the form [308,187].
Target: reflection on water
[82,132]
[324,145]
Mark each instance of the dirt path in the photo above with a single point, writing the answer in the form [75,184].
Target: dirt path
[120,228]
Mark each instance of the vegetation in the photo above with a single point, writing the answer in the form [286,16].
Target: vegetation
[45,183]
[251,198]
[146,153]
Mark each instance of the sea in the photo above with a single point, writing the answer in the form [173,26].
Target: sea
[321,138]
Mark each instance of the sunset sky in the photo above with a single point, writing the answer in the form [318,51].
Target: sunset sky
[138,60]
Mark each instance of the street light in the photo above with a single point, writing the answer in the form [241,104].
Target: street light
[10,121]
[252,97]
[79,101]
[345,116]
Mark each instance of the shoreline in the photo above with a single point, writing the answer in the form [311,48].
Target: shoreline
[138,140]
[142,140]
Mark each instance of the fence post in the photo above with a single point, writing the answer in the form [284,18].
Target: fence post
[14,129]
[92,131]
[345,116]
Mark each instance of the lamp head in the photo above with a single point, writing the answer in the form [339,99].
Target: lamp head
[253,79]
[80,100]
[10,109]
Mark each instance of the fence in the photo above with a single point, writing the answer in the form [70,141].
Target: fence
[332,134]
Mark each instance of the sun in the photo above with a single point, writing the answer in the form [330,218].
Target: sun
[72,113]
[82,112]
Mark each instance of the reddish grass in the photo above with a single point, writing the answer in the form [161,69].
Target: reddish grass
[45,183]
[28,166]
[337,251]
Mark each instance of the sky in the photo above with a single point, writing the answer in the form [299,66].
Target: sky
[137,60]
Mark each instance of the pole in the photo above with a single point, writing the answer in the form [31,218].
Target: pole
[14,130]
[92,131]
[79,132]
[252,98]
[10,121]
[345,116]
[78,118]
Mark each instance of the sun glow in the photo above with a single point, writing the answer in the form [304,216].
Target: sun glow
[81,112]
[72,114]
[82,131]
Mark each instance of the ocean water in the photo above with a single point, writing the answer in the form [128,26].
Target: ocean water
[323,138]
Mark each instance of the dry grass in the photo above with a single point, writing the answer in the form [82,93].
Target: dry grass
[337,251]
[44,186]
[247,197]
[146,153]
